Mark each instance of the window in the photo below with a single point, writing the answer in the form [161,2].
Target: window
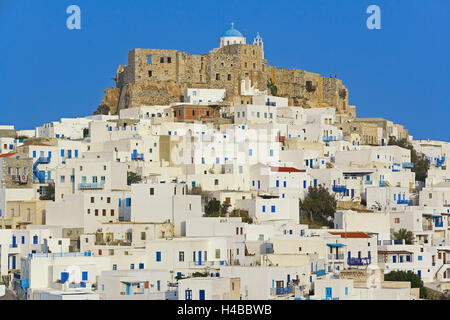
[92,200]
[35,239]
[216,182]
[158,256]
[273,209]
[141,266]
[63,179]
[229,77]
[112,212]
[217,253]
[161,60]
[217,76]
[104,212]
[181,256]
[142,235]
[152,191]
[132,266]
[150,73]
[169,60]
[96,212]
[84,276]
[114,266]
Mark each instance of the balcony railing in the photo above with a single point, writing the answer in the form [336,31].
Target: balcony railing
[334,257]
[382,184]
[339,188]
[281,291]
[408,202]
[369,182]
[327,139]
[90,186]
[137,156]
[408,165]
[358,261]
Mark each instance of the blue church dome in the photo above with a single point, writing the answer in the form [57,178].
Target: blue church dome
[232,32]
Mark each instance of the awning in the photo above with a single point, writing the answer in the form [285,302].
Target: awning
[335,244]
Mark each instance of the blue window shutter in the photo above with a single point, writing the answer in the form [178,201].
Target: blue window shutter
[273,208]
[263,208]
[158,256]
[64,277]
[62,152]
[84,276]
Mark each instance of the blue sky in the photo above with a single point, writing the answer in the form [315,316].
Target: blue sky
[400,72]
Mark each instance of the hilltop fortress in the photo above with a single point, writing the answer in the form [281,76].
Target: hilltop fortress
[159,77]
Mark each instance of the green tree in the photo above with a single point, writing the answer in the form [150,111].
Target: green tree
[318,205]
[212,207]
[404,234]
[224,207]
[133,178]
[272,87]
[421,164]
[49,192]
[410,276]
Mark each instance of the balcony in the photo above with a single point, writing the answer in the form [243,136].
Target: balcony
[137,156]
[408,165]
[321,273]
[335,257]
[91,186]
[359,261]
[368,182]
[408,202]
[383,184]
[339,188]
[327,139]
[281,291]
[427,227]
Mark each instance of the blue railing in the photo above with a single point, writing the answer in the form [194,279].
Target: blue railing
[368,182]
[90,186]
[320,273]
[408,165]
[60,254]
[137,156]
[40,176]
[327,139]
[382,184]
[339,188]
[408,202]
[358,261]
[281,291]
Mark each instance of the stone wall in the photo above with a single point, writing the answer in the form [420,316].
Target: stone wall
[162,79]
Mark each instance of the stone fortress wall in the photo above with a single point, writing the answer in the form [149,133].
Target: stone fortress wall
[159,77]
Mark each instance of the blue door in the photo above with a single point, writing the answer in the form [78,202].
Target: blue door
[200,258]
[328,293]
[128,289]
[259,184]
[353,193]
[13,262]
[201,294]
[288,278]
[188,295]
[419,273]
